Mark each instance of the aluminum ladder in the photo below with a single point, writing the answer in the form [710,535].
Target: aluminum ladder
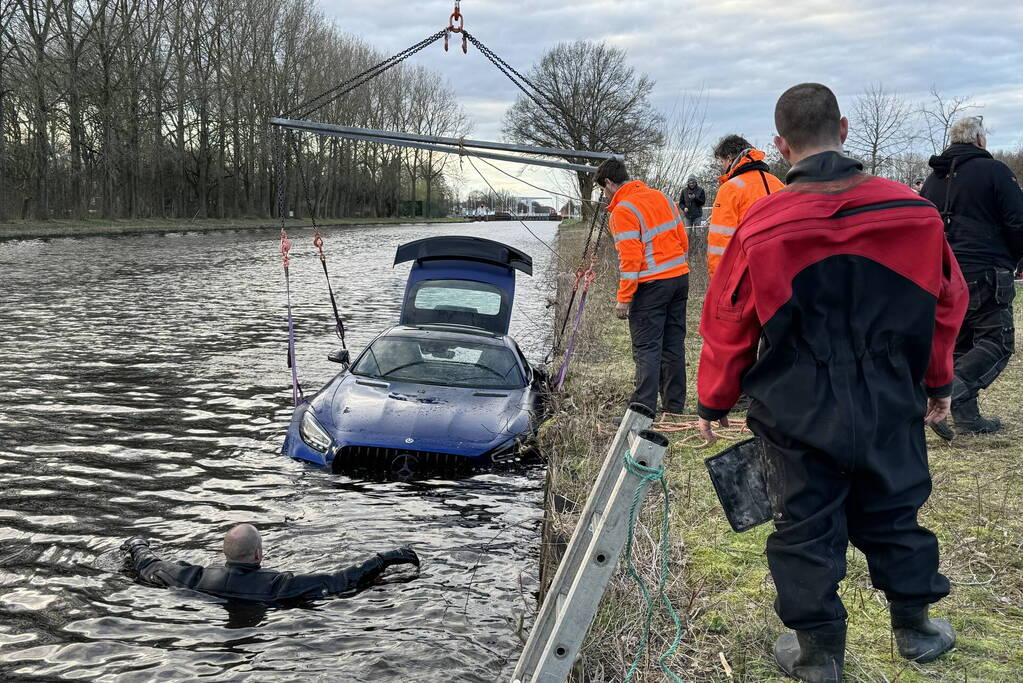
[592,555]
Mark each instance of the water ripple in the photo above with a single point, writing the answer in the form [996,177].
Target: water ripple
[144,392]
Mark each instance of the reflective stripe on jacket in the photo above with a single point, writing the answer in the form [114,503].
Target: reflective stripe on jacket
[740,188]
[649,236]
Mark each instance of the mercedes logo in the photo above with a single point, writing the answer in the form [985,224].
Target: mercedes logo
[410,440]
[404,466]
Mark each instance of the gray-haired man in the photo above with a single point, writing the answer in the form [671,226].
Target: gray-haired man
[982,206]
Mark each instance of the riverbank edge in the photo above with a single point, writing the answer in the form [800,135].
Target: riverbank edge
[719,581]
[27,230]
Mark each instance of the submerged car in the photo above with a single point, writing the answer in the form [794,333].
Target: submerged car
[446,386]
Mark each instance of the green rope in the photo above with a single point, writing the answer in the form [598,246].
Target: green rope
[648,475]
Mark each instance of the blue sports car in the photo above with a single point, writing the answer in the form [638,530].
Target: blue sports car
[446,386]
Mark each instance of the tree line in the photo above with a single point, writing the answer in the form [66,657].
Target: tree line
[159,108]
[894,136]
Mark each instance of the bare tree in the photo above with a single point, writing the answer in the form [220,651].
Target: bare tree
[138,108]
[590,99]
[683,148]
[6,52]
[940,113]
[38,18]
[909,166]
[880,128]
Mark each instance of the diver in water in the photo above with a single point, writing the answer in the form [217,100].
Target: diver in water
[241,577]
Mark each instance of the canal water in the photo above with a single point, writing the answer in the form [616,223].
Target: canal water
[144,392]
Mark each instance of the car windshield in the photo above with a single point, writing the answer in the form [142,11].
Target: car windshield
[454,363]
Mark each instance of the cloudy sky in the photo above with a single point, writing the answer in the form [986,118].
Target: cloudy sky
[740,53]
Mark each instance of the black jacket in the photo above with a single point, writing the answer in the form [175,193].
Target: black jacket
[245,581]
[692,199]
[983,212]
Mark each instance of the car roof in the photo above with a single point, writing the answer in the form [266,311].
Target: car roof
[447,332]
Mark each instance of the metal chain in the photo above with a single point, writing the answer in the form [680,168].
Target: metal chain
[282,180]
[339,325]
[505,68]
[605,215]
[508,70]
[307,107]
[580,274]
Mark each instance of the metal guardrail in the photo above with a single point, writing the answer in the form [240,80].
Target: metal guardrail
[591,557]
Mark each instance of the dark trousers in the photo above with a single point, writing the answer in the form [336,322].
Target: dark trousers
[822,501]
[657,324]
[693,217]
[987,338]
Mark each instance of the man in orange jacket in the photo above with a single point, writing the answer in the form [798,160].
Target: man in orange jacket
[654,283]
[745,179]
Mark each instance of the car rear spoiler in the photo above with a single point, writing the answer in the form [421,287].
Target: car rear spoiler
[468,248]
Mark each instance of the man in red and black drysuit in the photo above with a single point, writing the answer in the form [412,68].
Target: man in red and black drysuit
[846,283]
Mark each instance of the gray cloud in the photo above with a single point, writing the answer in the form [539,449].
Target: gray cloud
[740,53]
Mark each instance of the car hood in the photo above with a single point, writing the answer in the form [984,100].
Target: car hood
[421,417]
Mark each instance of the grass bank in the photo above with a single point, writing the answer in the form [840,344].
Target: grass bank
[137,226]
[719,580]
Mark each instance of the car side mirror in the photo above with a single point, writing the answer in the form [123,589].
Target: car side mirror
[341,356]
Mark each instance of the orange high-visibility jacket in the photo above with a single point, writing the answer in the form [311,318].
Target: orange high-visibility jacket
[649,236]
[747,182]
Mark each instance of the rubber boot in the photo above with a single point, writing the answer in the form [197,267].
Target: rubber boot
[968,420]
[919,638]
[816,656]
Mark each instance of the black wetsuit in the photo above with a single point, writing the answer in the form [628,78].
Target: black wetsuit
[247,581]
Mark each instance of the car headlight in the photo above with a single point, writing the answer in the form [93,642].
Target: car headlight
[315,436]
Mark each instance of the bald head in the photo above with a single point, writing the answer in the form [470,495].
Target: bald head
[243,544]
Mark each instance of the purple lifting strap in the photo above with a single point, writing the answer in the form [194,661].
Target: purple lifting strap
[571,342]
[296,389]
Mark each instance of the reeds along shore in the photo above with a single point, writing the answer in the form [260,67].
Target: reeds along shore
[719,581]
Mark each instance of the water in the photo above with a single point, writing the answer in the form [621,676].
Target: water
[144,392]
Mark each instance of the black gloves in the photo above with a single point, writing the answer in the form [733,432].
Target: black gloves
[132,545]
[400,555]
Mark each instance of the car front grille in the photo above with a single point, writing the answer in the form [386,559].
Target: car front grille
[396,460]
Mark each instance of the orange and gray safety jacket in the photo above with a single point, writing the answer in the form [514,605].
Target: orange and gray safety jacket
[744,184]
[649,236]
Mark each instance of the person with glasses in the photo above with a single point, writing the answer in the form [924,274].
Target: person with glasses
[982,206]
[744,179]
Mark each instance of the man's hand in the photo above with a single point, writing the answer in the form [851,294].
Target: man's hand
[137,542]
[622,310]
[707,432]
[134,545]
[401,555]
[938,409]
